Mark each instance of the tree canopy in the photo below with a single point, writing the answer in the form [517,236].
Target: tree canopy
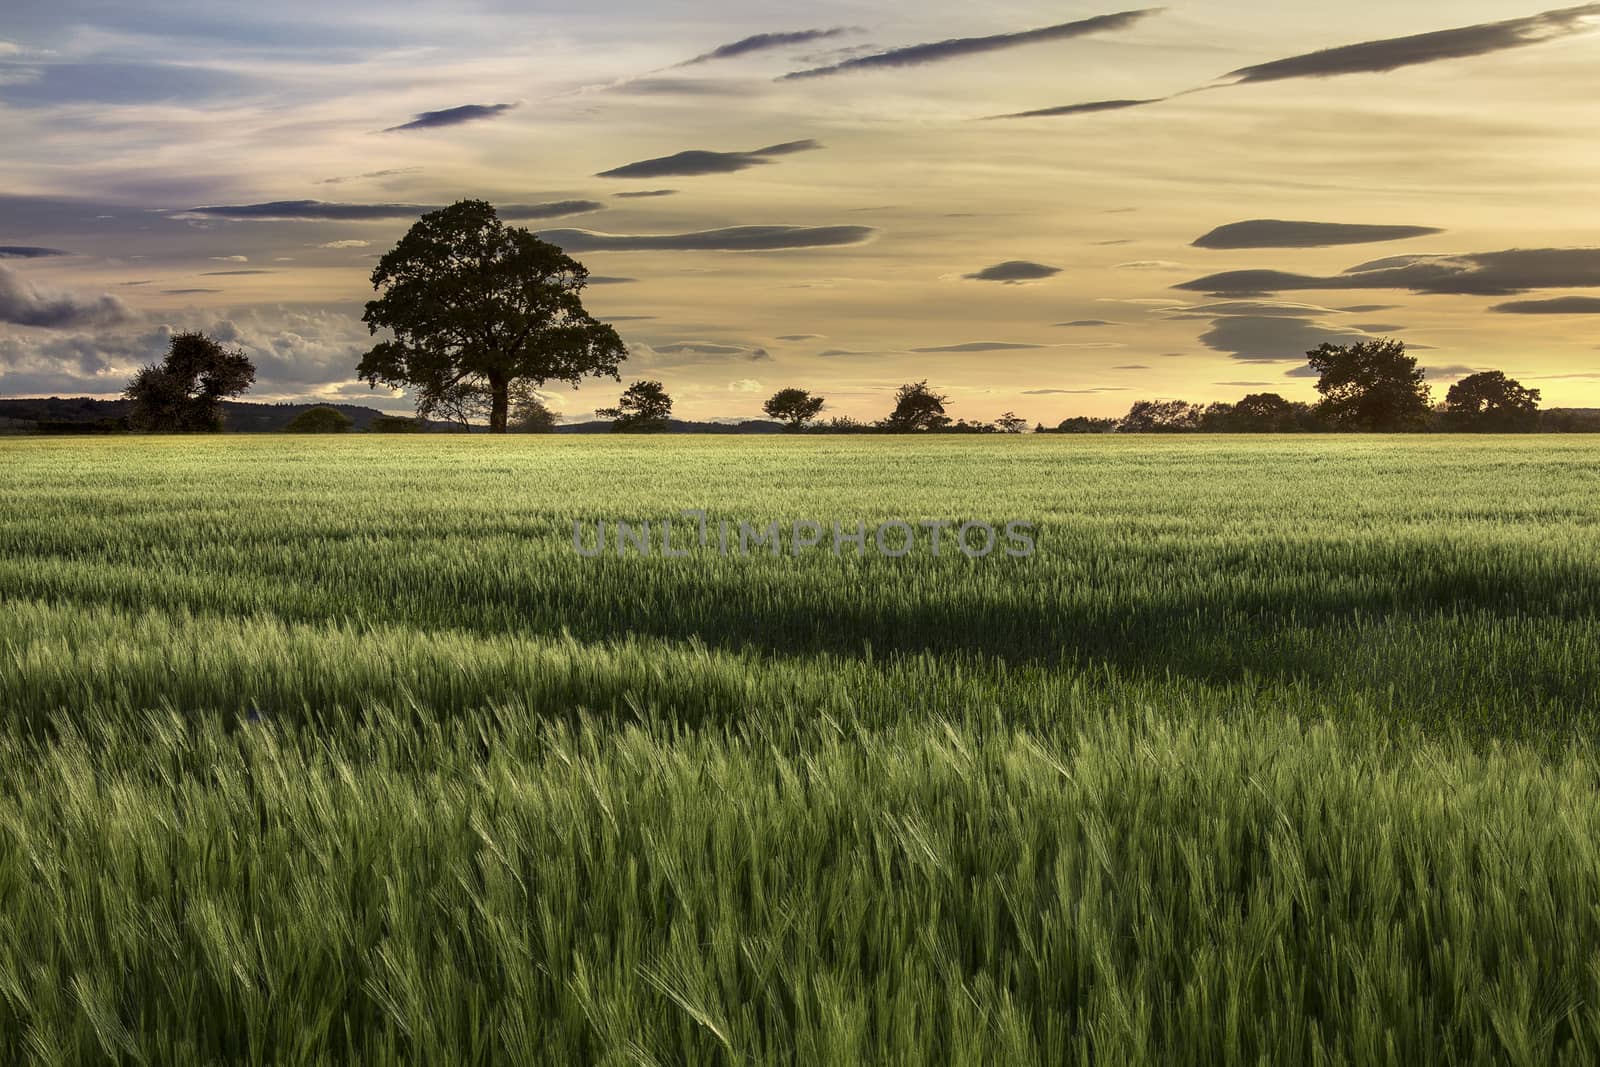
[1491,402]
[184,392]
[1160,416]
[644,407]
[917,409]
[794,406]
[320,419]
[1370,385]
[476,307]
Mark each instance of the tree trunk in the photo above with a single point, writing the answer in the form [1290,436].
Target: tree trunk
[500,406]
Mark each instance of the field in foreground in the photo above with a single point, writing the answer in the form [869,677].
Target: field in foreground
[336,750]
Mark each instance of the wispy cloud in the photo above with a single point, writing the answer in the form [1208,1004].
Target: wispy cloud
[1375,57]
[1091,108]
[959,47]
[645,194]
[730,239]
[29,252]
[763,42]
[696,162]
[453,116]
[1475,274]
[1561,305]
[981,346]
[322,211]
[1013,272]
[1278,233]
[1370,57]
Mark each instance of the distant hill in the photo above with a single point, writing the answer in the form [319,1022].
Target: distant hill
[84,415]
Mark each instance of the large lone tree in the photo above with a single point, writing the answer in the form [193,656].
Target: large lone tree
[1371,385]
[1489,401]
[644,407]
[477,308]
[184,392]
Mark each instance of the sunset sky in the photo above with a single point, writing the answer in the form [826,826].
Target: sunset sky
[854,212]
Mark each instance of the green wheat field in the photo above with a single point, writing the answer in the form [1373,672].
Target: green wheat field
[334,750]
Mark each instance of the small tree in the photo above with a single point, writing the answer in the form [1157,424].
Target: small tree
[644,407]
[394,424]
[917,409]
[1085,424]
[320,419]
[794,406]
[1489,402]
[184,392]
[1161,416]
[1011,422]
[476,307]
[529,414]
[1371,385]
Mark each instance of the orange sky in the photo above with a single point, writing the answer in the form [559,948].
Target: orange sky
[120,120]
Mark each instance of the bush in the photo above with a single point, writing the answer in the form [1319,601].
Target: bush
[394,424]
[320,419]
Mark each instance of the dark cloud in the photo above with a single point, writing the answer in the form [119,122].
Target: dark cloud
[606,279]
[644,194]
[1085,323]
[1475,274]
[833,352]
[233,273]
[697,162]
[188,292]
[956,48]
[703,348]
[1273,339]
[454,116]
[1561,305]
[1091,108]
[553,210]
[731,239]
[1013,271]
[1276,233]
[763,42]
[29,252]
[1372,57]
[371,174]
[800,337]
[1132,366]
[1282,309]
[980,346]
[21,304]
[1367,309]
[310,211]
[1376,327]
[322,211]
